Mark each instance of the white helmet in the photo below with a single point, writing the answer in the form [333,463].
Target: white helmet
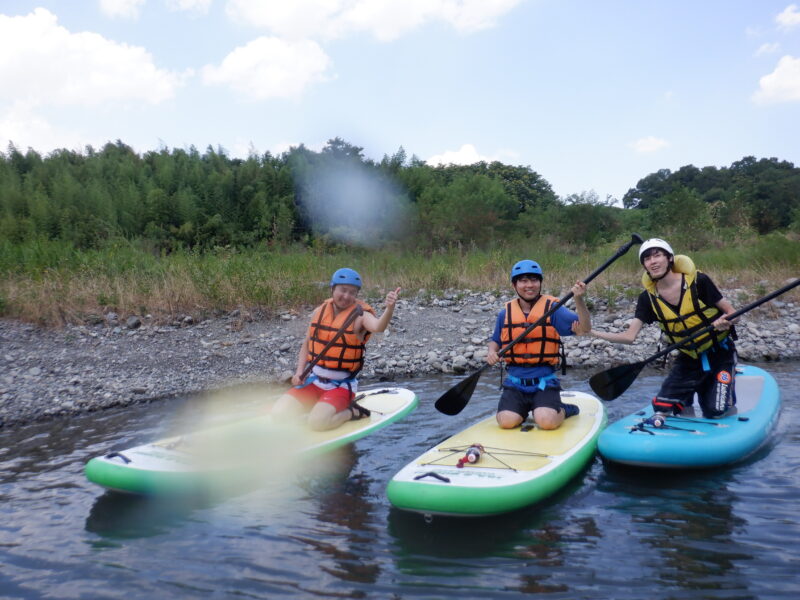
[654,243]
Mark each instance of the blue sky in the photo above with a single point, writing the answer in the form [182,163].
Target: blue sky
[593,95]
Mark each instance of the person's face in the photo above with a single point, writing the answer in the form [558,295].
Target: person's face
[344,295]
[527,286]
[656,262]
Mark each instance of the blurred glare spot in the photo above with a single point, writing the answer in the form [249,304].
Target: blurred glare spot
[234,445]
[353,204]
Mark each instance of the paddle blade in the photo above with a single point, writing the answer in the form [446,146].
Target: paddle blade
[612,383]
[456,398]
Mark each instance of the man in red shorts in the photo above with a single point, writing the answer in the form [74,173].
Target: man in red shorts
[327,393]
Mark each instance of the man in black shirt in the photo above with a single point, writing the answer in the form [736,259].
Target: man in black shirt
[682,300]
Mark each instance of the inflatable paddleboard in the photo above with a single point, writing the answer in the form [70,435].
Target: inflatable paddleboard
[689,441]
[232,456]
[516,467]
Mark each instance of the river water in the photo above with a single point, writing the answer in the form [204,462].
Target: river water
[612,533]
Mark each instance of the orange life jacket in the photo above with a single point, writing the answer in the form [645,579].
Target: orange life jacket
[347,352]
[542,345]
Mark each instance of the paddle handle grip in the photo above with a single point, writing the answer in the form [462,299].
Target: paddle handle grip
[729,317]
[635,239]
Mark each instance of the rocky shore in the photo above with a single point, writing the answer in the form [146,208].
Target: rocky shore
[117,361]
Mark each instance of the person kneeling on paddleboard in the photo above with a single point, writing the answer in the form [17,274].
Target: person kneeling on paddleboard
[531,383]
[334,348]
[682,300]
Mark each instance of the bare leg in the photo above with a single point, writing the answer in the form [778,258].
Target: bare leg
[508,419]
[548,418]
[324,416]
[287,407]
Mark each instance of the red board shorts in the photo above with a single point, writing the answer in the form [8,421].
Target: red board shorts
[339,397]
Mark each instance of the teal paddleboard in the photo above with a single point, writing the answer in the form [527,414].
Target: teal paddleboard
[691,441]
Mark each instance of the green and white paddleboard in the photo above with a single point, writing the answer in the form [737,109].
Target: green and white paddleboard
[234,456]
[517,467]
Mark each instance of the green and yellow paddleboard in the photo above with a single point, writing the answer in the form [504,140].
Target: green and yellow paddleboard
[516,467]
[236,455]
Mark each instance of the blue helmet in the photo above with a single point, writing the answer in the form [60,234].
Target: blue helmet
[348,276]
[526,267]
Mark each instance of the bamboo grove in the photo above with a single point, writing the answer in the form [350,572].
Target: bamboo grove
[185,199]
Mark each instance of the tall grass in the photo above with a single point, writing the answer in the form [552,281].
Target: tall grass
[51,283]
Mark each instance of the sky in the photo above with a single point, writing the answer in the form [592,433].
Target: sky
[593,95]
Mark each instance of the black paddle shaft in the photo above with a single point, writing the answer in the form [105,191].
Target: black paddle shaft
[635,239]
[353,315]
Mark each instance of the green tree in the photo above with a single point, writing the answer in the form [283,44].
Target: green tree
[470,209]
[681,216]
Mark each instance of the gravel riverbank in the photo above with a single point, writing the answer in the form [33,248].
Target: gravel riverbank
[116,362]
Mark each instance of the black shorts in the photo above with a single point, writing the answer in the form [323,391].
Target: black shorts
[715,388]
[522,403]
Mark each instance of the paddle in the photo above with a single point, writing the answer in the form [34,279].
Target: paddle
[353,316]
[613,382]
[456,398]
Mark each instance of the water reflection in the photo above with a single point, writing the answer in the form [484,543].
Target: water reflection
[688,518]
[125,516]
[344,511]
[612,533]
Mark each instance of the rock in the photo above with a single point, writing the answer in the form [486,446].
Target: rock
[98,367]
[460,364]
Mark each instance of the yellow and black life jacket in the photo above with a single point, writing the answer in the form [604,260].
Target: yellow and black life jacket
[346,353]
[692,314]
[542,345]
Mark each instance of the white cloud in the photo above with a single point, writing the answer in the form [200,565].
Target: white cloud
[466,155]
[782,85]
[199,7]
[122,9]
[474,15]
[270,68]
[767,49]
[649,144]
[790,17]
[384,19]
[295,19]
[43,63]
[27,129]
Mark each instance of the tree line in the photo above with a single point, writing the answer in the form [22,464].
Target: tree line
[184,199]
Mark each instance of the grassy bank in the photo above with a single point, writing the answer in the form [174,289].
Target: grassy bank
[51,283]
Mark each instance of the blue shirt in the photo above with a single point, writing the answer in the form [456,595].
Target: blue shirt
[561,320]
